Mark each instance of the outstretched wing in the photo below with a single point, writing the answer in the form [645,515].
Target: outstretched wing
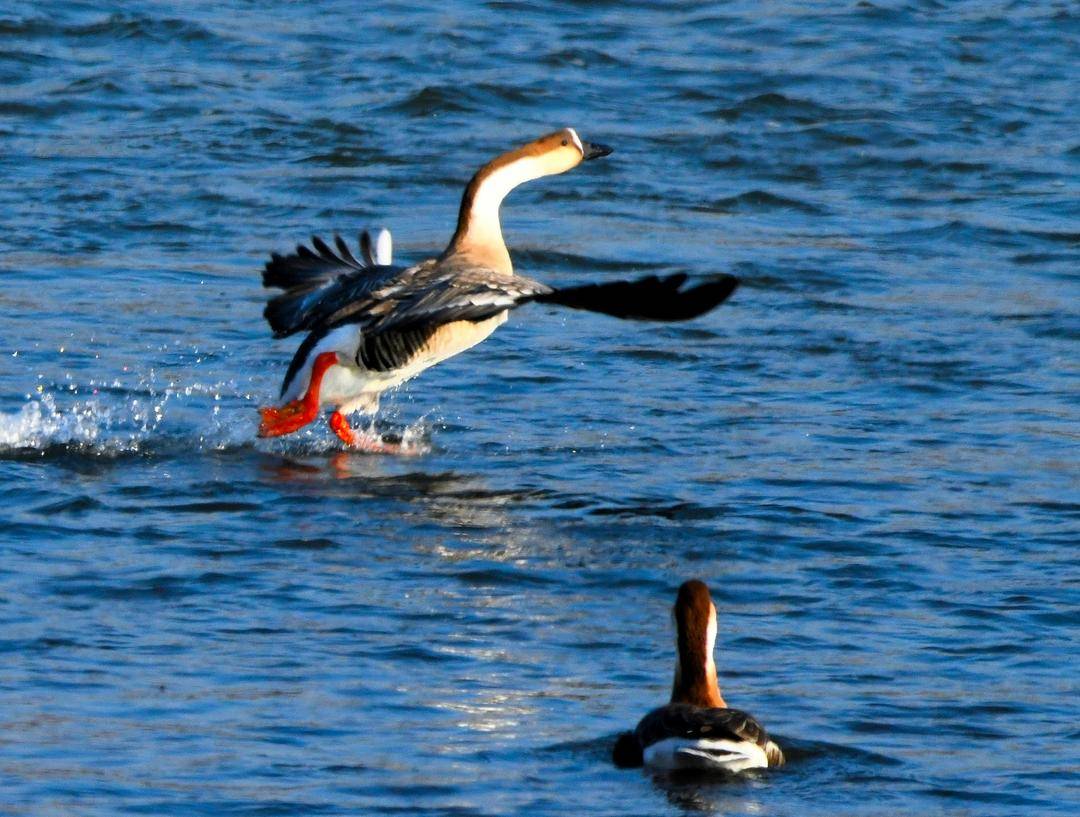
[646,299]
[396,309]
[436,293]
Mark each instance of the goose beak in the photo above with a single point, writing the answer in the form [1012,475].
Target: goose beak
[592,150]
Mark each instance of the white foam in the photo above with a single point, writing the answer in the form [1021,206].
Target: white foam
[38,424]
[146,416]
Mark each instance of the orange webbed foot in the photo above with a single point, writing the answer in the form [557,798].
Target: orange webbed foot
[297,414]
[286,419]
[340,426]
[359,441]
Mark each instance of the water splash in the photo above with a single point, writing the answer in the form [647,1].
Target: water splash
[155,417]
[40,424]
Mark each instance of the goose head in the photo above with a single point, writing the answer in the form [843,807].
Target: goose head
[479,232]
[558,152]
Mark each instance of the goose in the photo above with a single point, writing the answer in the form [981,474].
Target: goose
[697,731]
[372,325]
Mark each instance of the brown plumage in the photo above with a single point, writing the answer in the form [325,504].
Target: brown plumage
[695,673]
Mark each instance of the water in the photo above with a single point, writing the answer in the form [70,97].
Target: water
[870,453]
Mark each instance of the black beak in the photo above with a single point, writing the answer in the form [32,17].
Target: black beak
[594,151]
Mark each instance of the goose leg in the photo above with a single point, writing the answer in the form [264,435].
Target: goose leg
[360,441]
[295,415]
[340,426]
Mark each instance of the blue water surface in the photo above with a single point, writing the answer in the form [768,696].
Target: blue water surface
[870,453]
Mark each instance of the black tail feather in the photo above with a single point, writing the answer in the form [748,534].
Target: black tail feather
[646,299]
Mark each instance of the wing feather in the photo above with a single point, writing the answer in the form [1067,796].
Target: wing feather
[435,294]
[345,252]
[317,284]
[649,298]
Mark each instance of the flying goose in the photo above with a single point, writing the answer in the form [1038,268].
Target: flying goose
[372,325]
[696,730]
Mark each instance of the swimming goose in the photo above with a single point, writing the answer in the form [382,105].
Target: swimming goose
[372,325]
[697,731]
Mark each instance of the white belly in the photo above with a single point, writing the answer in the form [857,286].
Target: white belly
[705,755]
[346,382]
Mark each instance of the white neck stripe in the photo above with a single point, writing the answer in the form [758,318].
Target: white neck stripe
[577,141]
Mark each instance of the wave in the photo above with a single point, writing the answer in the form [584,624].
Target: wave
[432,100]
[115,26]
[759,201]
[800,111]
